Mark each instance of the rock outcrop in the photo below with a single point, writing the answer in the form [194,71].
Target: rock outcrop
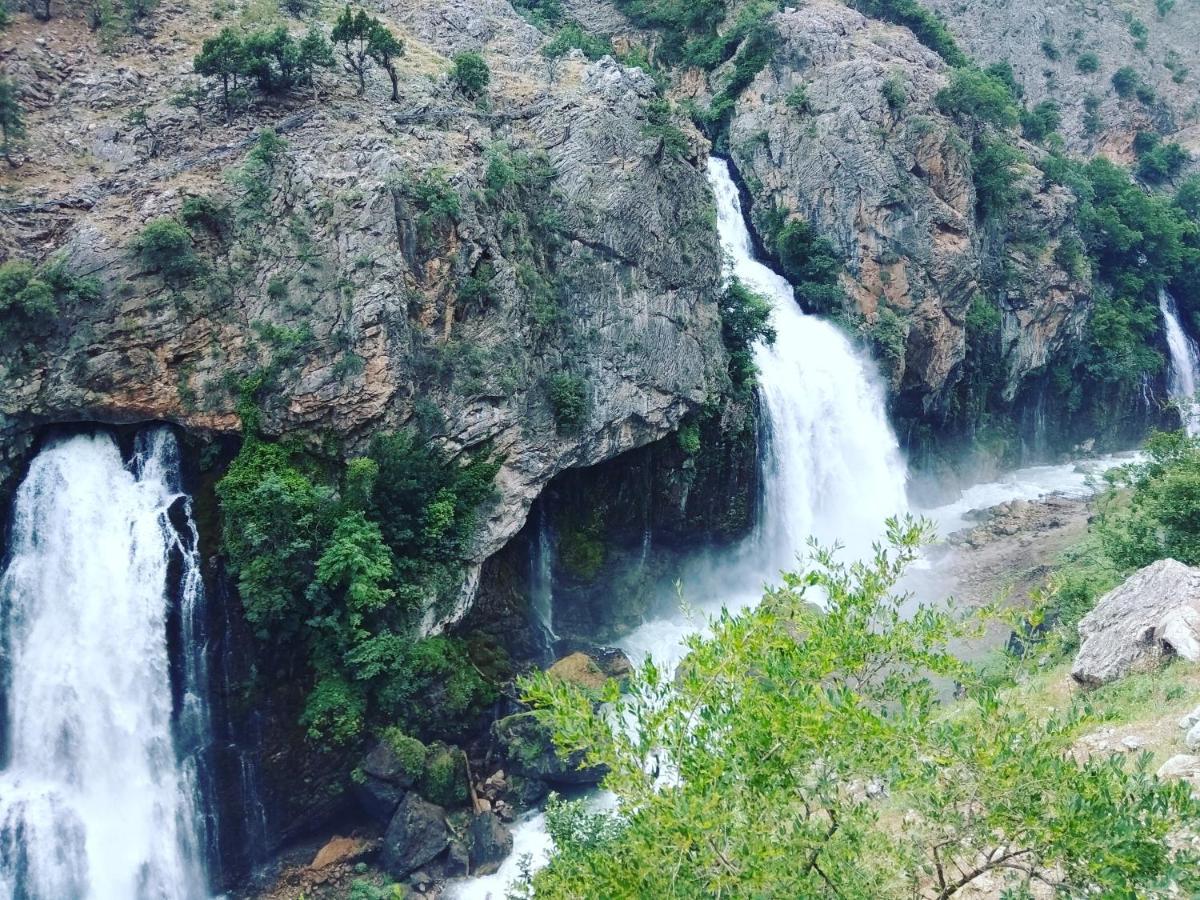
[891,186]
[1044,40]
[415,837]
[330,273]
[1153,615]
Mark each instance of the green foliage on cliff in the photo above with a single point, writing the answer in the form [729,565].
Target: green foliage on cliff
[335,564]
[996,168]
[270,58]
[983,96]
[810,262]
[32,298]
[745,320]
[470,71]
[164,246]
[925,26]
[568,396]
[806,754]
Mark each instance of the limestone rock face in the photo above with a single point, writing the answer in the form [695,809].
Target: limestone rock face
[892,189]
[1043,40]
[1149,617]
[330,273]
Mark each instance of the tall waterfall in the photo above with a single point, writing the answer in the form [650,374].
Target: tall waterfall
[1184,378]
[94,801]
[834,468]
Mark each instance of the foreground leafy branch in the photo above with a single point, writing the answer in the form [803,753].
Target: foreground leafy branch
[804,749]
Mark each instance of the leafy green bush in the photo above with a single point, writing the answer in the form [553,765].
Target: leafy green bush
[745,320]
[336,574]
[895,93]
[164,246]
[1038,122]
[797,100]
[996,169]
[810,263]
[568,396]
[1087,62]
[1126,81]
[204,212]
[979,95]
[31,301]
[544,14]
[1161,162]
[471,73]
[889,335]
[573,37]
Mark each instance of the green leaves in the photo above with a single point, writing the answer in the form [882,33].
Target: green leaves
[802,750]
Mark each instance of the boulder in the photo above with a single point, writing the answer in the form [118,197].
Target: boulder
[489,842]
[529,751]
[340,850]
[578,669]
[1182,765]
[415,836]
[385,774]
[1153,615]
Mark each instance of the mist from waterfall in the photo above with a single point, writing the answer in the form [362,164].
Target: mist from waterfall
[94,799]
[1183,380]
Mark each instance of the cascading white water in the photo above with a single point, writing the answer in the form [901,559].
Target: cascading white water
[541,575]
[834,468]
[1184,378]
[94,802]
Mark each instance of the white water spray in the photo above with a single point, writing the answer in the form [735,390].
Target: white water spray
[94,802]
[1184,378]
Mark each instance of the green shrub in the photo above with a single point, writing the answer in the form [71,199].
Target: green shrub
[745,320]
[1161,162]
[979,95]
[996,169]
[205,212]
[470,72]
[31,302]
[811,264]
[797,100]
[573,37]
[568,396]
[164,246]
[1126,81]
[1164,6]
[1140,33]
[544,14]
[1087,63]
[1037,123]
[889,335]
[408,750]
[1050,51]
[895,94]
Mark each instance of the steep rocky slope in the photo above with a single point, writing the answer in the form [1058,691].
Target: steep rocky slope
[1045,41]
[892,187]
[329,271]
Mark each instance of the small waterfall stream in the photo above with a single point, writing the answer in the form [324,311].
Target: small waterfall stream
[1184,378]
[98,794]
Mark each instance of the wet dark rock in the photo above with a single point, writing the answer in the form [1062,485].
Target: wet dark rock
[415,836]
[489,842]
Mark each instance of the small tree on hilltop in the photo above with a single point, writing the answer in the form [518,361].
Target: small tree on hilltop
[315,52]
[384,48]
[353,31]
[12,119]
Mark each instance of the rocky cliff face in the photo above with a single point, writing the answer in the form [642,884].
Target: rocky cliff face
[1046,41]
[331,270]
[890,184]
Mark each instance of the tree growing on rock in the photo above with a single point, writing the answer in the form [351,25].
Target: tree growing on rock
[353,32]
[12,119]
[471,73]
[222,57]
[385,48]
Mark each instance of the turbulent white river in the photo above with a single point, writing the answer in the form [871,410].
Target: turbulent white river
[94,802]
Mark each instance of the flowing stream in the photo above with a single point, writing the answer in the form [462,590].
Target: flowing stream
[97,801]
[1184,378]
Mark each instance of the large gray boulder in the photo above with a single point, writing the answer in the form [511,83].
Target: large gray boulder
[415,837]
[1153,615]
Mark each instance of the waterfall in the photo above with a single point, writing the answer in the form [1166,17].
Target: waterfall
[1184,377]
[541,574]
[833,466]
[98,794]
